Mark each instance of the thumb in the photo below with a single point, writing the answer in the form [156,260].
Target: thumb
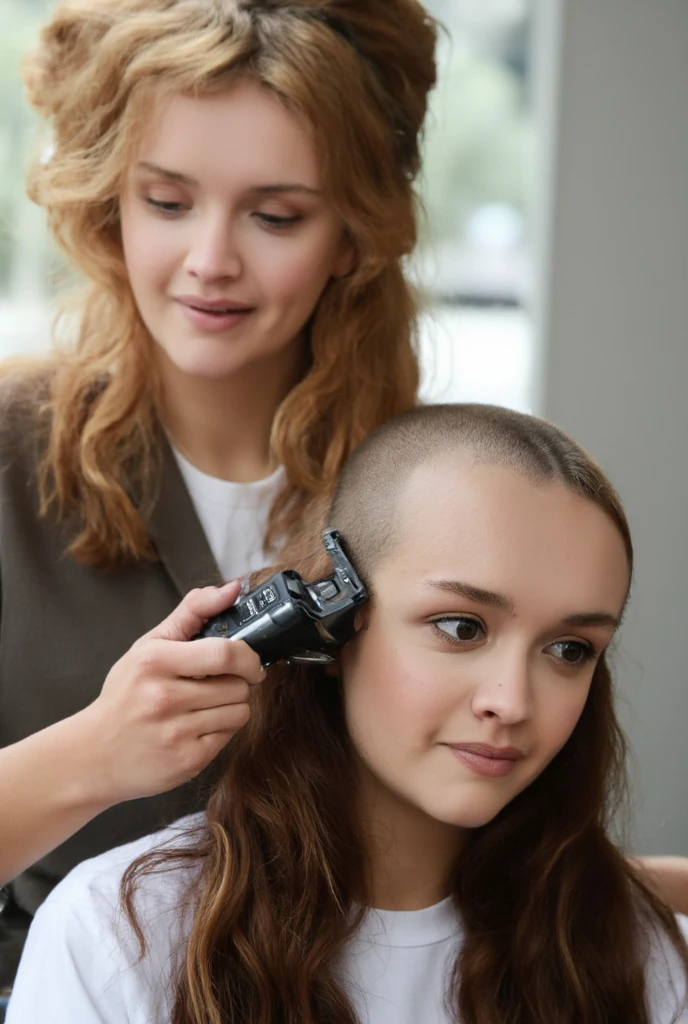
[189,617]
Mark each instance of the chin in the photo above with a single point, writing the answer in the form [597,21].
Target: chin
[209,365]
[208,373]
[466,814]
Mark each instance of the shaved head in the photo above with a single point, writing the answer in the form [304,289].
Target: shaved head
[368,503]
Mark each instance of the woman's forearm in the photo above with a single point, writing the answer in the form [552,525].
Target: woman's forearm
[46,793]
[668,876]
[167,708]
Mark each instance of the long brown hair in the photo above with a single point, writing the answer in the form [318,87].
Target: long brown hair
[557,925]
[360,72]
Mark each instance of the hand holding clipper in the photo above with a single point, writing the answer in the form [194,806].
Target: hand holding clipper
[287,619]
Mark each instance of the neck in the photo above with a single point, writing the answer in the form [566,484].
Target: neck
[223,427]
[412,856]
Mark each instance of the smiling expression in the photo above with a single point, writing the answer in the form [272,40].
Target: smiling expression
[479,645]
[229,240]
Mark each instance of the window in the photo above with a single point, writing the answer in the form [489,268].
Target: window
[25,252]
[473,263]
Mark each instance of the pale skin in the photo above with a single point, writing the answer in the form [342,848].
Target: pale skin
[221,391]
[532,581]
[244,220]
[223,203]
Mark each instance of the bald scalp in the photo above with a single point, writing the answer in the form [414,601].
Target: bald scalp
[367,503]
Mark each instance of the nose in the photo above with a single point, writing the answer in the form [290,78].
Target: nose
[506,691]
[213,255]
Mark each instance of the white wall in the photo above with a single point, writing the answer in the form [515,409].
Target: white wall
[613,326]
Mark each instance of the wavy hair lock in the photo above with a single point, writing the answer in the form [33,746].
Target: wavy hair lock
[359,72]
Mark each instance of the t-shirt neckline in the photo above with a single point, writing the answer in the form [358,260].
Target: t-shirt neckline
[213,488]
[411,927]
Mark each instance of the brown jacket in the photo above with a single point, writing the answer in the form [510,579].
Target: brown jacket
[63,625]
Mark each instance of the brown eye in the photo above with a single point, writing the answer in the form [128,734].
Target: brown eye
[460,629]
[571,652]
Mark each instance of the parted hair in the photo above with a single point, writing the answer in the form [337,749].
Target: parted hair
[558,927]
[359,72]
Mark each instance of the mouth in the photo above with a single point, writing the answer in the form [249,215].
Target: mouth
[483,759]
[213,317]
[484,750]
[219,308]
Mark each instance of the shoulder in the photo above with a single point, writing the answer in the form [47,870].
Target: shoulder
[24,407]
[30,393]
[24,387]
[667,984]
[95,883]
[83,946]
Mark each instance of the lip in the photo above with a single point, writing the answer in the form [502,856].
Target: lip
[196,302]
[485,750]
[486,760]
[205,316]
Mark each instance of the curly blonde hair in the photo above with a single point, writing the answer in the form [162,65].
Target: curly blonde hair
[360,72]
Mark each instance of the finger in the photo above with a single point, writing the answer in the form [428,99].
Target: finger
[215,656]
[212,656]
[202,696]
[213,742]
[189,617]
[227,719]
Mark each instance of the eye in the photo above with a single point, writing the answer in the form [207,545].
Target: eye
[460,629]
[279,223]
[573,653]
[164,206]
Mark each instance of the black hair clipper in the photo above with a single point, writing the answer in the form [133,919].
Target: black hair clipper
[288,619]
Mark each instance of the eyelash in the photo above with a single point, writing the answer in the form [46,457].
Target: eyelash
[169,209]
[455,641]
[587,651]
[278,223]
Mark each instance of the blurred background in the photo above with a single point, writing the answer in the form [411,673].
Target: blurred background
[474,262]
[555,260]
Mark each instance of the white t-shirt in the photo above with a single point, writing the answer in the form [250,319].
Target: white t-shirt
[234,516]
[81,961]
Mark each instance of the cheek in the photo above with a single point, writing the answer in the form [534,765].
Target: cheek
[154,248]
[147,252]
[559,719]
[297,274]
[393,693]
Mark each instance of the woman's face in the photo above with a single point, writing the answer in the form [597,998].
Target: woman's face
[478,649]
[228,238]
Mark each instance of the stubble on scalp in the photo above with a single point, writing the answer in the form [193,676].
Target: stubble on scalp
[368,504]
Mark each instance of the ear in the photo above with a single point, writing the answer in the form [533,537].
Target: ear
[334,668]
[360,620]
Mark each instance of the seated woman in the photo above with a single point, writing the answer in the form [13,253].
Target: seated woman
[419,834]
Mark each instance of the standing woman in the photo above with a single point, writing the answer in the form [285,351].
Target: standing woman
[235,182]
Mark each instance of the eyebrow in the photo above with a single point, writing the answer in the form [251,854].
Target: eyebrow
[184,179]
[492,599]
[473,593]
[591,619]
